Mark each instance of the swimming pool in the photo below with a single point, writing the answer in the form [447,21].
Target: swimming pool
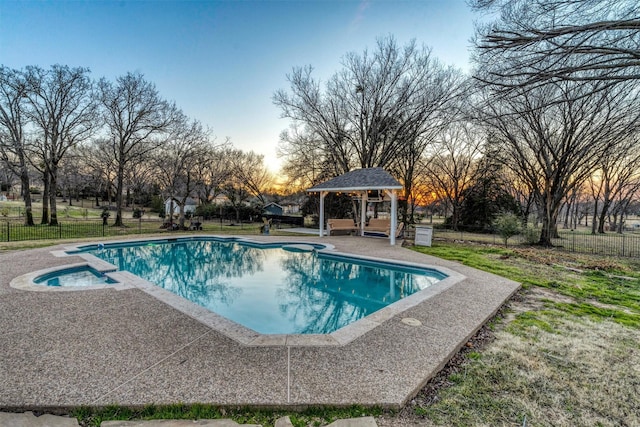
[270,288]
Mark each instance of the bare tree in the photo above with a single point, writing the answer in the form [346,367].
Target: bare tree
[13,144]
[305,163]
[596,185]
[251,171]
[534,42]
[137,119]
[212,171]
[371,108]
[71,177]
[616,177]
[62,106]
[103,169]
[176,162]
[235,189]
[451,164]
[555,145]
[627,196]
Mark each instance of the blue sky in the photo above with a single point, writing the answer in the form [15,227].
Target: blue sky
[221,61]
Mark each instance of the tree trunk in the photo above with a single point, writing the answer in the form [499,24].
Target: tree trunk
[549,217]
[545,234]
[594,219]
[603,214]
[26,195]
[45,199]
[455,213]
[576,217]
[119,191]
[53,189]
[567,215]
[621,224]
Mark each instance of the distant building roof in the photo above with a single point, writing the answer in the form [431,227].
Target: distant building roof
[360,179]
[273,204]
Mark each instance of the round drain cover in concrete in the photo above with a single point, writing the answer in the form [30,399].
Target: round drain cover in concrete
[411,321]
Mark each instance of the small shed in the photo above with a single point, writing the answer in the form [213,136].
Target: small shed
[273,209]
[361,182]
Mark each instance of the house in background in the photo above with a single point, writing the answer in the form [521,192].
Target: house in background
[293,204]
[273,209]
[189,206]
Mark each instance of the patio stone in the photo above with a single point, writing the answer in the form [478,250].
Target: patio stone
[27,419]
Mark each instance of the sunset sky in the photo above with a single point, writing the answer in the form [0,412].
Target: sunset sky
[221,61]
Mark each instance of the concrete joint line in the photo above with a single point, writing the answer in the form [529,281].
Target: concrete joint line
[151,367]
[288,374]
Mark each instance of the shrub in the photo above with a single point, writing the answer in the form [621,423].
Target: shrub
[531,234]
[507,225]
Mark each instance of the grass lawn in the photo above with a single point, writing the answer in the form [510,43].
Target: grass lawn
[565,351]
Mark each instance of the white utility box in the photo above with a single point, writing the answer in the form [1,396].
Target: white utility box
[424,234]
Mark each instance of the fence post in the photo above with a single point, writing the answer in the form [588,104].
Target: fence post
[8,232]
[623,236]
[60,230]
[102,228]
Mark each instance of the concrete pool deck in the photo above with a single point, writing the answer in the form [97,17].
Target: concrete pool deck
[106,346]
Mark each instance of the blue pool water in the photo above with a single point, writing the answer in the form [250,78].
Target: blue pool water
[75,276]
[272,289]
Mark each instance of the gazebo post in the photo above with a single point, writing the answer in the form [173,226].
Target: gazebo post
[363,211]
[322,196]
[394,215]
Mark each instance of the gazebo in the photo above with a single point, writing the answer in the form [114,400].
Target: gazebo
[360,182]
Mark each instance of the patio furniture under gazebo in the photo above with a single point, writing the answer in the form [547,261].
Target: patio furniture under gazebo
[361,182]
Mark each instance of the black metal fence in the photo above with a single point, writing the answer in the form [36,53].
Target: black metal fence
[13,231]
[608,244]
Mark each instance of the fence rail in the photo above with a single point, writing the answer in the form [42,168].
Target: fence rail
[609,244]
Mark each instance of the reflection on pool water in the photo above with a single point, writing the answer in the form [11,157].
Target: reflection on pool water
[272,289]
[74,277]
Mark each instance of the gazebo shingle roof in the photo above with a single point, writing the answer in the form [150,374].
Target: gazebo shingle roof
[360,179]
